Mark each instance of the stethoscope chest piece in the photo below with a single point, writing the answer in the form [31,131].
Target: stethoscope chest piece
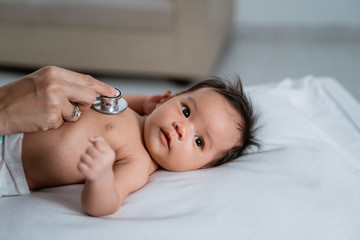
[110,105]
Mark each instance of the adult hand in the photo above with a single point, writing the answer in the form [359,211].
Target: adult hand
[42,99]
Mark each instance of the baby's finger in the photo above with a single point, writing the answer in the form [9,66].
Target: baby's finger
[83,168]
[99,143]
[94,139]
[166,96]
[93,153]
[167,93]
[89,158]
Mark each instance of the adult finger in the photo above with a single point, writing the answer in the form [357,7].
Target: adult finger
[70,112]
[64,86]
[84,97]
[89,82]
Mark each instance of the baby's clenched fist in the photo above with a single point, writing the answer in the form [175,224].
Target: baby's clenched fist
[97,161]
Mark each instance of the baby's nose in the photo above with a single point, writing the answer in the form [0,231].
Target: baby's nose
[180,129]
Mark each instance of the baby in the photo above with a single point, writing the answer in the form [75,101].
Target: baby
[207,125]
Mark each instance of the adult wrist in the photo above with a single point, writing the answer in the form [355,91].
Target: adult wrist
[7,122]
[4,126]
[4,117]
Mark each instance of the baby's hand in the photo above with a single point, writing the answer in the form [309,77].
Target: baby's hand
[97,161]
[152,101]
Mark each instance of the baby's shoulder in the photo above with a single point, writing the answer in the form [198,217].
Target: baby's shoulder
[137,158]
[134,170]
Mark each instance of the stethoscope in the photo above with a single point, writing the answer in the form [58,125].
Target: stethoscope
[110,105]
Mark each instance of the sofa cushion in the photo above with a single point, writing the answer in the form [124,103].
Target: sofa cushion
[128,14]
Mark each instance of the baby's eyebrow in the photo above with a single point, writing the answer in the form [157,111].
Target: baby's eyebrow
[193,102]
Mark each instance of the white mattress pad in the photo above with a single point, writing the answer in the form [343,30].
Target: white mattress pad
[303,184]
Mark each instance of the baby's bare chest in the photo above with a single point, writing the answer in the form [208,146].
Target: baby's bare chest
[58,151]
[64,146]
[118,130]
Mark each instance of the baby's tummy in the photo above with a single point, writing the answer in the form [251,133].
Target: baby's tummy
[50,158]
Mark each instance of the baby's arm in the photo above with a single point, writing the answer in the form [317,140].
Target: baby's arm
[144,105]
[104,190]
[99,196]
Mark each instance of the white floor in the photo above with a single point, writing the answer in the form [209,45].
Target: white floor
[267,55]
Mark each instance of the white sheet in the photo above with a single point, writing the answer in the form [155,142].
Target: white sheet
[303,184]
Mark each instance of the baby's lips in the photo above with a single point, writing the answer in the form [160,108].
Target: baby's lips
[167,137]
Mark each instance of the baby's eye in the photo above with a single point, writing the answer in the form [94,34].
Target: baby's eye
[199,141]
[186,111]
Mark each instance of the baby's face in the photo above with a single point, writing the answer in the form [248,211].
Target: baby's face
[190,130]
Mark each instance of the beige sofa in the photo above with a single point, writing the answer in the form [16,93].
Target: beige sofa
[160,38]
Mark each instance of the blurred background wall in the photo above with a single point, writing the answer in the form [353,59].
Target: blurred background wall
[276,39]
[268,41]
[294,13]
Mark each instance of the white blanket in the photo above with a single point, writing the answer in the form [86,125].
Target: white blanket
[303,184]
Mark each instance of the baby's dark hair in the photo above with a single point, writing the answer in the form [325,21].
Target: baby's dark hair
[235,95]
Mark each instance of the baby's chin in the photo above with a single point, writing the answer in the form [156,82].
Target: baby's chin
[174,168]
[164,166]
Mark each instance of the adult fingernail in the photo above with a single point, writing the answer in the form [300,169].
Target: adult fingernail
[113,91]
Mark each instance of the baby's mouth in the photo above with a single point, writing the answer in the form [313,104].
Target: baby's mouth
[167,138]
